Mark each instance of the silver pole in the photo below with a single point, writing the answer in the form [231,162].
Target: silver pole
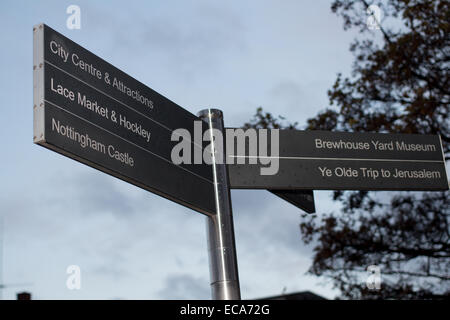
[220,231]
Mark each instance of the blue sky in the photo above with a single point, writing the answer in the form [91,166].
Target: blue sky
[129,243]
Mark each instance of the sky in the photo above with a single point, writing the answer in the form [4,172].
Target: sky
[128,242]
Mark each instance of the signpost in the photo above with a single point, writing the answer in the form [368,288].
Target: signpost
[221,244]
[325,160]
[92,112]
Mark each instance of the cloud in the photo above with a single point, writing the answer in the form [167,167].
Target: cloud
[288,94]
[197,39]
[95,192]
[185,286]
[267,221]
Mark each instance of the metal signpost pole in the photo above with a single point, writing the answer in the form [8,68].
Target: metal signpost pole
[220,230]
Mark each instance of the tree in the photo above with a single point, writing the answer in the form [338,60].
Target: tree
[399,84]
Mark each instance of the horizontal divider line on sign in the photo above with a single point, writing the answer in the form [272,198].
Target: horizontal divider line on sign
[328,158]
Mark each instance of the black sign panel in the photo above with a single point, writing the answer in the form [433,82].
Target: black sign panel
[346,161]
[303,199]
[88,110]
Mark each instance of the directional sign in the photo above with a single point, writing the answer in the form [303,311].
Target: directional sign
[92,112]
[345,161]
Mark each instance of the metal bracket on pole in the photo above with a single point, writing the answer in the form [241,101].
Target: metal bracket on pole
[220,229]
